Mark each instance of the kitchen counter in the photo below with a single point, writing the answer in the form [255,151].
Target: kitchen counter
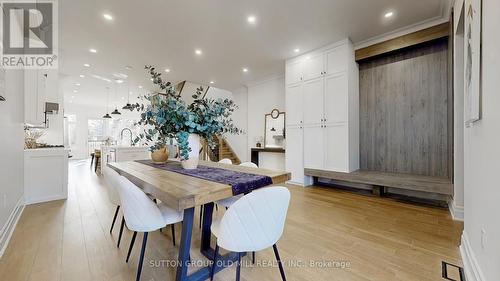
[45,174]
[118,153]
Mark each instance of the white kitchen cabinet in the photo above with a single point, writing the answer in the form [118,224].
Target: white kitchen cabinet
[313,101]
[45,175]
[40,86]
[330,108]
[294,103]
[34,97]
[294,73]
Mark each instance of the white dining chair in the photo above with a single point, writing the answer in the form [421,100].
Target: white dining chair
[143,215]
[222,161]
[253,223]
[226,161]
[111,178]
[230,201]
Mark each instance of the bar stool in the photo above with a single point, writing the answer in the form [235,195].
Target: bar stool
[97,156]
[143,215]
[253,223]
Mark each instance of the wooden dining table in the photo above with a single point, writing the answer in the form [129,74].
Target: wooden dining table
[184,193]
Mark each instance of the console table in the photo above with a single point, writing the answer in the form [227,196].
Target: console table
[254,155]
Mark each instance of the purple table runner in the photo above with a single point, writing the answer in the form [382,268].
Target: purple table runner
[241,183]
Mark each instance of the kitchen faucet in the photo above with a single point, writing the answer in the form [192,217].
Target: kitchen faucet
[121,136]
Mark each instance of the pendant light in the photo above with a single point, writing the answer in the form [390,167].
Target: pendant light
[128,106]
[107,116]
[115,112]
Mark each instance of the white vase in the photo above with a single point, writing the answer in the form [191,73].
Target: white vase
[194,154]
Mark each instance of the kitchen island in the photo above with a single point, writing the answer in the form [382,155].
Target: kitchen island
[45,174]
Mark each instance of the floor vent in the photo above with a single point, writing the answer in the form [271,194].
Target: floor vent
[452,272]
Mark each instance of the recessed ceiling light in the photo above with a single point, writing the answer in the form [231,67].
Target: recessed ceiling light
[86,65]
[108,17]
[251,19]
[389,14]
[119,81]
[82,76]
[75,91]
[245,69]
[93,50]
[151,79]
[77,84]
[211,82]
[128,67]
[198,52]
[140,87]
[297,50]
[167,70]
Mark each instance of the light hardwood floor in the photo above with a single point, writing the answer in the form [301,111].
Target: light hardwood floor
[380,239]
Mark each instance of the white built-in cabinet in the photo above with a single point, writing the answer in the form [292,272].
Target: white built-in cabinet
[40,86]
[34,97]
[322,106]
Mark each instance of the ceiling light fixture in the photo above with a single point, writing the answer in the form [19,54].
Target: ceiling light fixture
[107,116]
[75,91]
[115,112]
[93,50]
[77,84]
[245,69]
[82,76]
[119,81]
[388,15]
[198,52]
[251,19]
[211,82]
[296,50]
[108,17]
[86,65]
[140,87]
[167,70]
[129,106]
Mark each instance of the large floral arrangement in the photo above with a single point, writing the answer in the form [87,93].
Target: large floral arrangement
[165,115]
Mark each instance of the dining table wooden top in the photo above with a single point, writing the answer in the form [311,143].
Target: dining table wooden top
[181,191]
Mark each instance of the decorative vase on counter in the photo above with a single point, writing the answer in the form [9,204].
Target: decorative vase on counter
[160,156]
[194,155]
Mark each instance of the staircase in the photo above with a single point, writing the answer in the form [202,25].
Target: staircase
[221,151]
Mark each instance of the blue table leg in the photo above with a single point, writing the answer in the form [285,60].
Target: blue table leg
[187,230]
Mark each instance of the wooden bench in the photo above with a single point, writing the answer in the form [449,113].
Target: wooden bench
[381,180]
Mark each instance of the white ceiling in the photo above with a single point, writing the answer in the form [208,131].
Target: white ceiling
[165,33]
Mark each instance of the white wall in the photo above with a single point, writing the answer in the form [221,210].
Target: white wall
[12,148]
[262,97]
[482,158]
[457,202]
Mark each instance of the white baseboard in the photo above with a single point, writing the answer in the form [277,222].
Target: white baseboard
[471,267]
[10,225]
[457,212]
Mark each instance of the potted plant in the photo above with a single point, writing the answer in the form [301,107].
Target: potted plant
[166,115]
